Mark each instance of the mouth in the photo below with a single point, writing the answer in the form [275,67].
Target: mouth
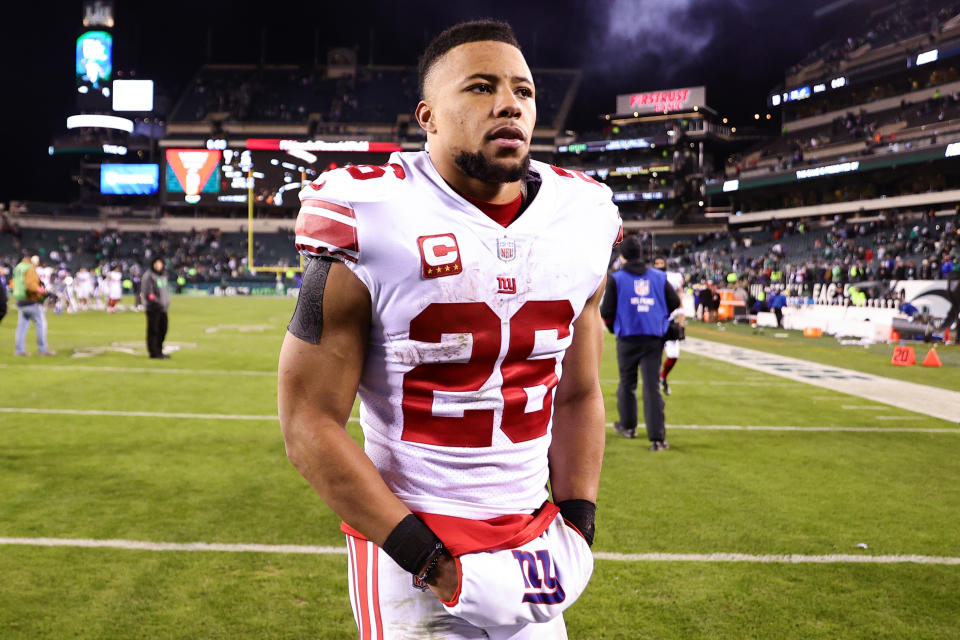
[507,137]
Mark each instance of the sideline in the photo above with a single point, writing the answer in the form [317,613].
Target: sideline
[918,398]
[140,545]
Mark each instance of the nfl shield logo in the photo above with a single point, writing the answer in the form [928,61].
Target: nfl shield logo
[506,249]
[641,287]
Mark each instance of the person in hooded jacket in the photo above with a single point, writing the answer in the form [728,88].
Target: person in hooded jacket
[155,297]
[636,306]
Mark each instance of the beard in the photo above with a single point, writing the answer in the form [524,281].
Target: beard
[479,167]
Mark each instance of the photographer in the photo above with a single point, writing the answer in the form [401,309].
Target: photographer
[29,293]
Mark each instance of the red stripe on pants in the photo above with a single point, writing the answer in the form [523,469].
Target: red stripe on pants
[361,568]
[376,591]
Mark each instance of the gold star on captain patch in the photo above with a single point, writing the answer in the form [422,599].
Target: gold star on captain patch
[446,268]
[456,267]
[429,272]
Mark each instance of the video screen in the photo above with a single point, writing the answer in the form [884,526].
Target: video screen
[219,177]
[129,179]
[133,95]
[192,174]
[94,58]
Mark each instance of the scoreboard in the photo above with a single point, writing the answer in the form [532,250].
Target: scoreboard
[222,173]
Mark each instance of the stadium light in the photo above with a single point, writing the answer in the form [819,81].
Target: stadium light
[768,116]
[733,129]
[927,57]
[756,116]
[725,121]
[103,122]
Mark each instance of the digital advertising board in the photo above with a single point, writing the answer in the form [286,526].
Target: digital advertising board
[664,100]
[94,61]
[129,179]
[133,95]
[221,174]
[192,172]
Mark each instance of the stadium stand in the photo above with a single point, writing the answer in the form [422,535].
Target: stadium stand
[894,245]
[373,95]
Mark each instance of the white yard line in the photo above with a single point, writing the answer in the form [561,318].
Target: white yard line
[140,545]
[781,559]
[733,427]
[135,414]
[207,372]
[717,383]
[919,398]
[864,407]
[271,418]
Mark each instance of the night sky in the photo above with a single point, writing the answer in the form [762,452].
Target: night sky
[738,48]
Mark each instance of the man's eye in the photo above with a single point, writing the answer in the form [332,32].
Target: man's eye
[481,88]
[524,92]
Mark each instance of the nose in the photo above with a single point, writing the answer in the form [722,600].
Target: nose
[507,104]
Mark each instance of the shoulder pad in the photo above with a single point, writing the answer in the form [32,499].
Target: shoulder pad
[595,196]
[327,222]
[571,180]
[359,183]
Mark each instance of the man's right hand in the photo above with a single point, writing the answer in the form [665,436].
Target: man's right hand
[444,579]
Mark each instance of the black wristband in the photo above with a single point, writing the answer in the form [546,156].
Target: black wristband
[412,544]
[581,514]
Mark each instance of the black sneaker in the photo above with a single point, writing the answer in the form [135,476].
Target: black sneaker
[659,445]
[664,386]
[626,433]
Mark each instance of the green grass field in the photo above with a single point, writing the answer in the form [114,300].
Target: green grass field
[202,479]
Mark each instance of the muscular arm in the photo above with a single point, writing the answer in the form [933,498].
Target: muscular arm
[316,389]
[576,453]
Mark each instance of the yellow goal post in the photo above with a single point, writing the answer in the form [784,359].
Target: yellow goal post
[252,267]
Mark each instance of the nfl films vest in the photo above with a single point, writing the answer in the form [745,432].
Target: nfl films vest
[641,305]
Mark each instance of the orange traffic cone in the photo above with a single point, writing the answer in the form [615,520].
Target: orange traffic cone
[894,336]
[932,359]
[946,335]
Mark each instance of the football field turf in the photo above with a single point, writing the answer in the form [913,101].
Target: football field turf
[113,446]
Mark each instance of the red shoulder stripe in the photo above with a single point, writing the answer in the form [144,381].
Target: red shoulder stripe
[329,206]
[332,234]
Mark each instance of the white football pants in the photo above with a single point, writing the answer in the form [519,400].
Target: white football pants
[512,594]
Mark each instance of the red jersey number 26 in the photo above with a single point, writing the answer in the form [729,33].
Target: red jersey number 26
[475,428]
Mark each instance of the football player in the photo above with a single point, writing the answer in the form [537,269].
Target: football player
[457,289]
[671,346]
[114,288]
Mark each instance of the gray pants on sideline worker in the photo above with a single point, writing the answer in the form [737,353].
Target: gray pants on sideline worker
[646,355]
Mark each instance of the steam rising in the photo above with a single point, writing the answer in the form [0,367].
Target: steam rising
[661,36]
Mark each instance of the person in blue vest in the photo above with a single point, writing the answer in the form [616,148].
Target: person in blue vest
[636,306]
[777,302]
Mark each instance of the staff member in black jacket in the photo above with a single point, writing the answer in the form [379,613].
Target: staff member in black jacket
[156,300]
[636,307]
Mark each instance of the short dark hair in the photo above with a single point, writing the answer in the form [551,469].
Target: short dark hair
[631,249]
[462,33]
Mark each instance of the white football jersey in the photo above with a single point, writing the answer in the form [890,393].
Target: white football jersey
[469,325]
[84,283]
[675,279]
[46,275]
[115,284]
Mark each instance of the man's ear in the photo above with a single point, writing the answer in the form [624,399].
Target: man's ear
[424,114]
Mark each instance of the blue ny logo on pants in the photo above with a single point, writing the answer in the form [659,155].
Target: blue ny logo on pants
[540,590]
